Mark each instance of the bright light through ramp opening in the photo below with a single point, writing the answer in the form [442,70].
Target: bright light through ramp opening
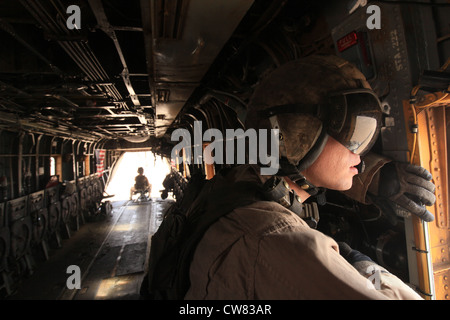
[155,169]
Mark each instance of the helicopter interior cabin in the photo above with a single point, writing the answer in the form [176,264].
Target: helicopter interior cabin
[85,82]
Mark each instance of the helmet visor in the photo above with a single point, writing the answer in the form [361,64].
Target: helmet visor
[354,119]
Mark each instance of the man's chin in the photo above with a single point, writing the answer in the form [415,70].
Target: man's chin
[343,187]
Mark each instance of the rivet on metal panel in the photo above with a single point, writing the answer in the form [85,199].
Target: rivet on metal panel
[436,127]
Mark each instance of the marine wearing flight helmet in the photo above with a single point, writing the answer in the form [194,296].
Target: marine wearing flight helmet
[328,117]
[331,100]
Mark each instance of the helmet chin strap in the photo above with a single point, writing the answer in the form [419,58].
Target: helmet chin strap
[293,172]
[317,192]
[289,170]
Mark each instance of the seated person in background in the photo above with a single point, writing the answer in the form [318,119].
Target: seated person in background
[54,181]
[141,183]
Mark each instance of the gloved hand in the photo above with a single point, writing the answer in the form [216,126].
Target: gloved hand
[408,186]
[351,255]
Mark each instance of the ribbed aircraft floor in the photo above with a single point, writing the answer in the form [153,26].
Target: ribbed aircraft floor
[112,256]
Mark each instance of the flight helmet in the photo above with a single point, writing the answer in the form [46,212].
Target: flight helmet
[310,99]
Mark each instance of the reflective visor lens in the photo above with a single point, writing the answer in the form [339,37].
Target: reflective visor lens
[355,119]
